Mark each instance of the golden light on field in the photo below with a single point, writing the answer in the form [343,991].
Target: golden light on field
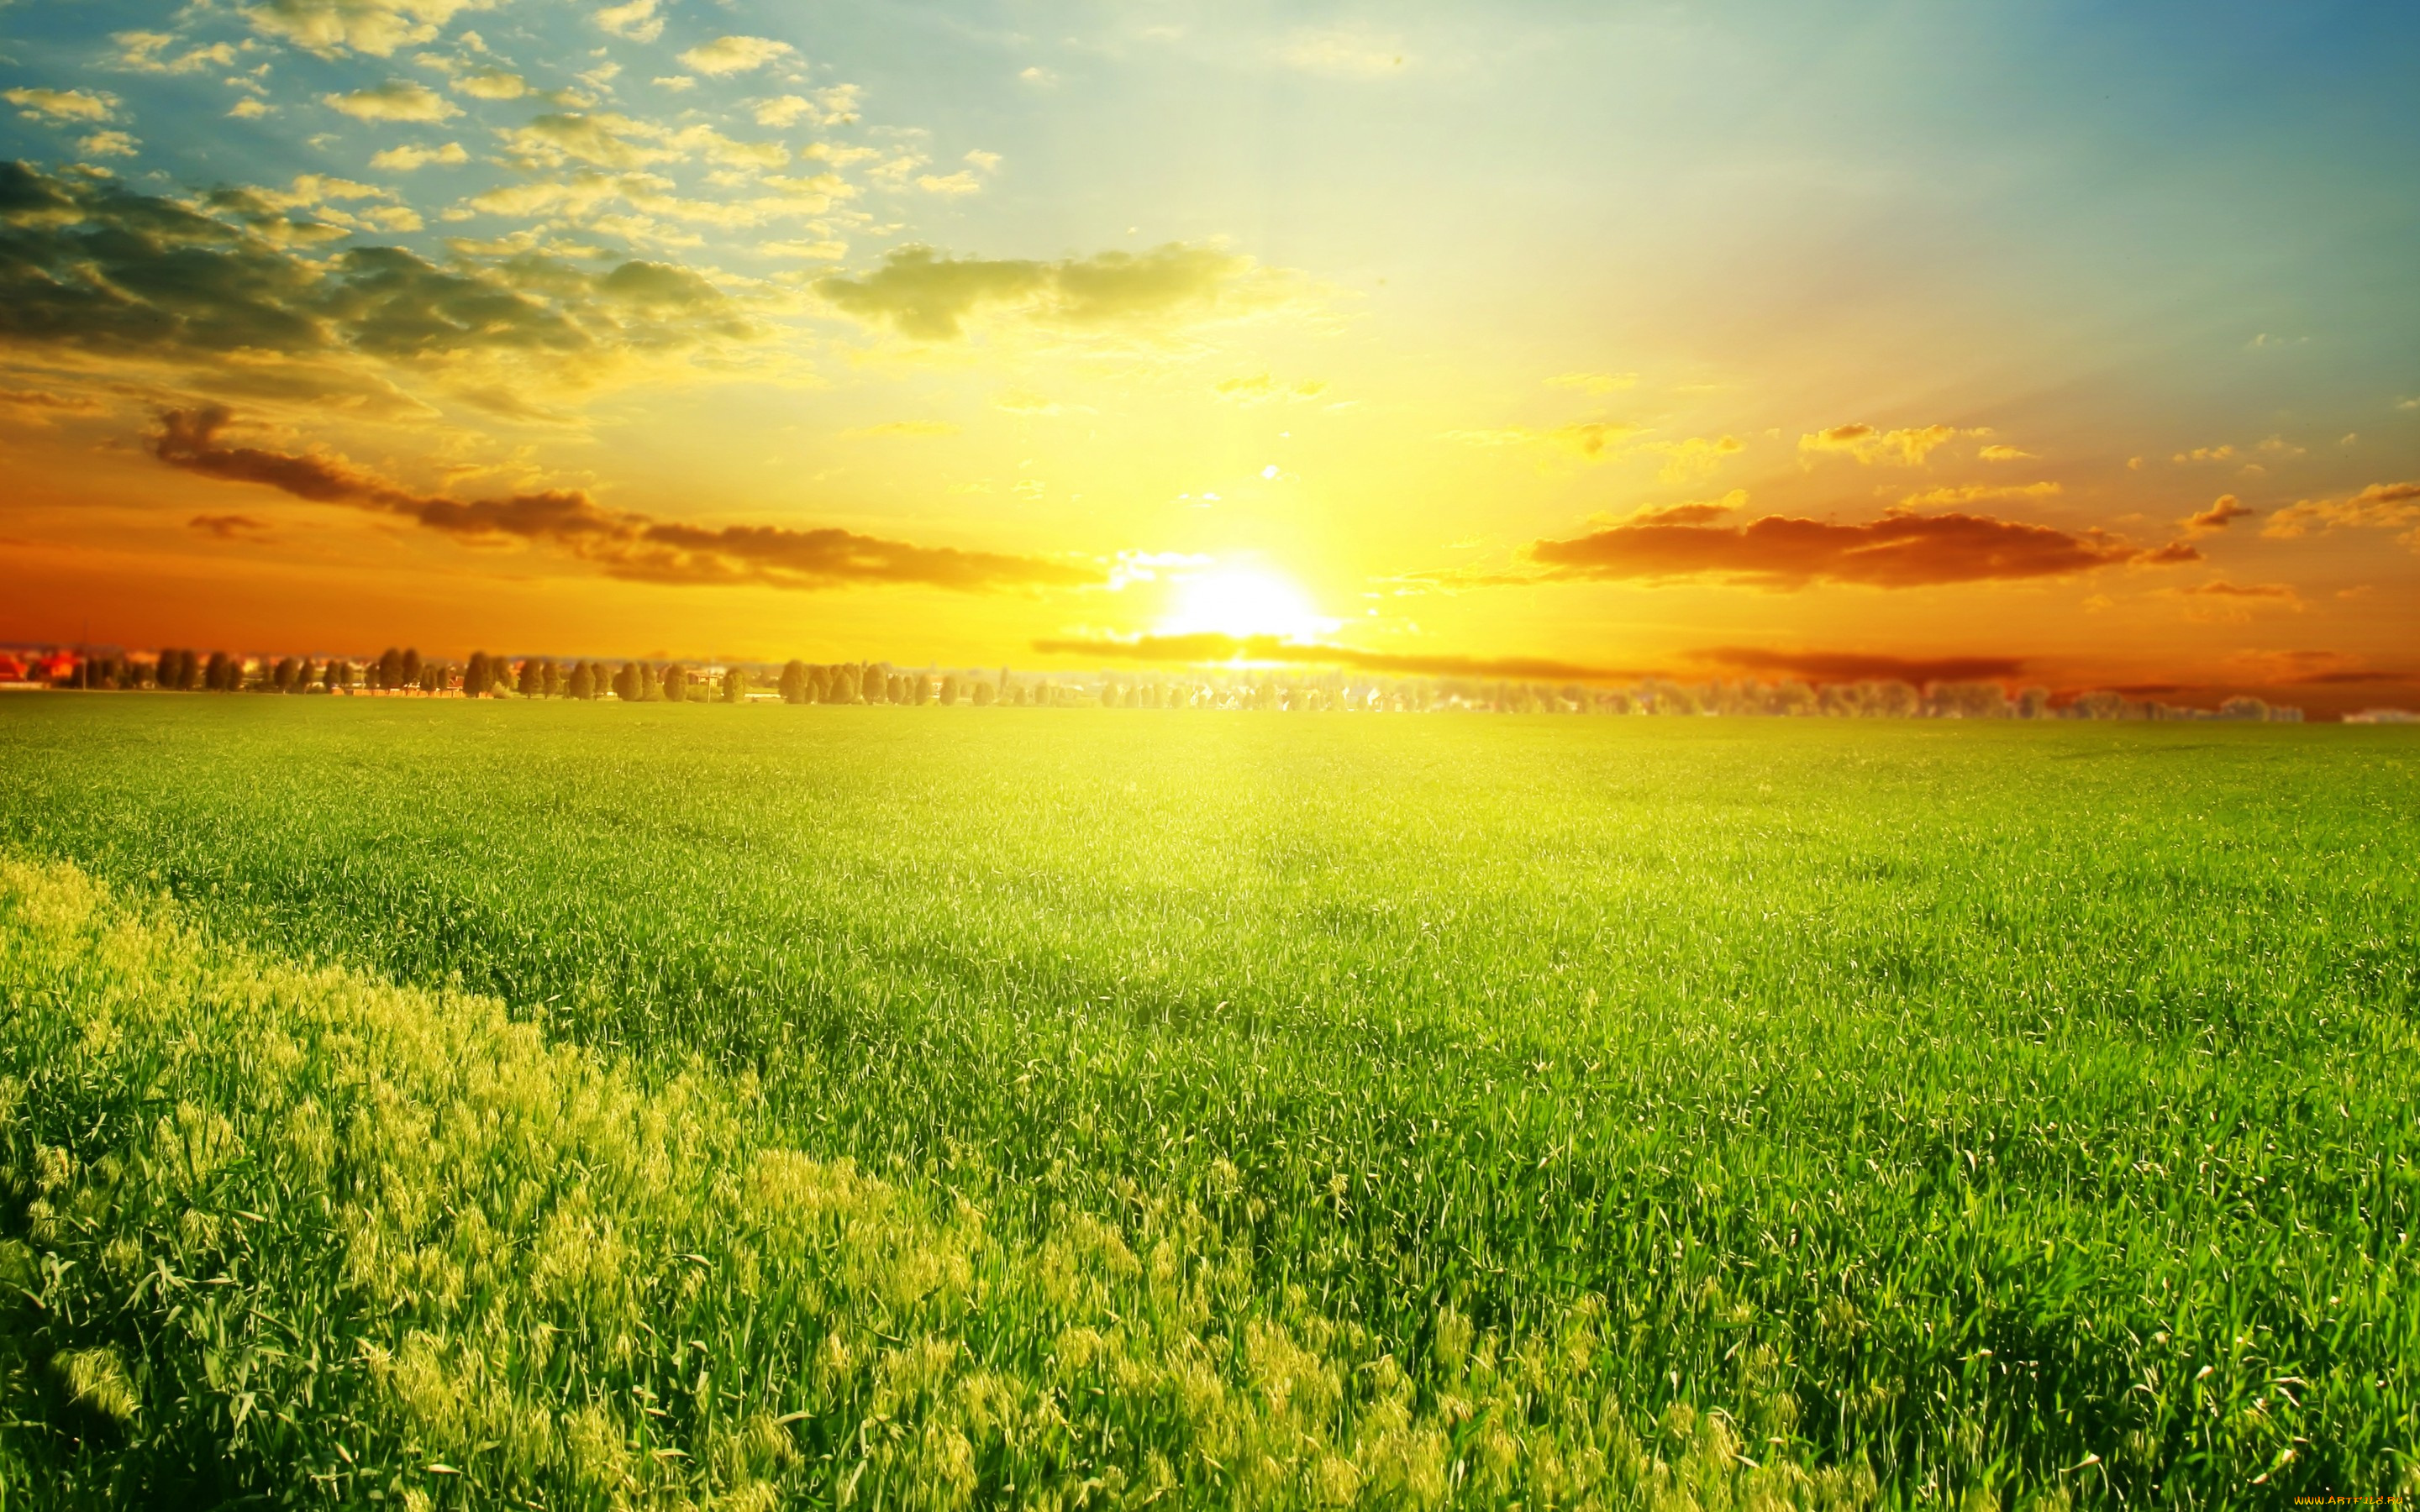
[1243,601]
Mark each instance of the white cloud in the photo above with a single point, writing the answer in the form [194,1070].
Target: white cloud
[397,99]
[727,55]
[605,139]
[405,159]
[987,162]
[636,21]
[1345,53]
[248,109]
[675,81]
[835,106]
[1038,76]
[493,83]
[108,145]
[377,27]
[961,182]
[820,251]
[62,104]
[147,52]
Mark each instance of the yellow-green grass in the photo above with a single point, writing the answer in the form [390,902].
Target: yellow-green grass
[1916,1111]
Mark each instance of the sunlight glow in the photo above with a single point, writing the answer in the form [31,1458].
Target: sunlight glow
[1243,601]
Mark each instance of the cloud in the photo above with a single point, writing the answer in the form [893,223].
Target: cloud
[142,51]
[1694,512]
[1898,550]
[1693,458]
[1593,382]
[1261,389]
[827,250]
[1973,493]
[225,526]
[2380,506]
[605,139]
[108,145]
[397,99]
[249,109]
[727,55]
[1858,666]
[92,267]
[493,83]
[406,158]
[62,104]
[2002,454]
[962,182]
[1209,646]
[1025,402]
[921,294]
[2279,593]
[621,543]
[1342,53]
[1870,446]
[636,21]
[2226,603]
[377,27]
[2223,511]
[1592,439]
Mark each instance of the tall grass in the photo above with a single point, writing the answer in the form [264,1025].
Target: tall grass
[304,1232]
[1963,1112]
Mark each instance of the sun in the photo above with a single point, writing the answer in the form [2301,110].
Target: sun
[1243,601]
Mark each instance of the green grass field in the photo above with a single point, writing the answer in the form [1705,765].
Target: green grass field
[587,1105]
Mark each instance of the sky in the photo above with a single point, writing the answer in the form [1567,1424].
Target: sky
[2074,345]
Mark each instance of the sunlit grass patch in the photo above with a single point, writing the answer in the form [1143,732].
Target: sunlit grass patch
[299,1226]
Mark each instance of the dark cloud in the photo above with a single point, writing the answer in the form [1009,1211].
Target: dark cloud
[918,292]
[226,526]
[1212,647]
[2352,678]
[1898,550]
[1858,666]
[622,542]
[100,269]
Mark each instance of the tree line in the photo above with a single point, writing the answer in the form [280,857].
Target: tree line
[404,671]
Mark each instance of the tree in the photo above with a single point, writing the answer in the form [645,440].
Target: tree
[409,670]
[334,675]
[626,683]
[675,684]
[2034,703]
[532,681]
[217,672]
[794,681]
[735,685]
[583,684]
[982,693]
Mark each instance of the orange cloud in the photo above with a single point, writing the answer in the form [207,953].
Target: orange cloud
[1870,445]
[622,542]
[2224,511]
[2381,505]
[1898,550]
[1858,666]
